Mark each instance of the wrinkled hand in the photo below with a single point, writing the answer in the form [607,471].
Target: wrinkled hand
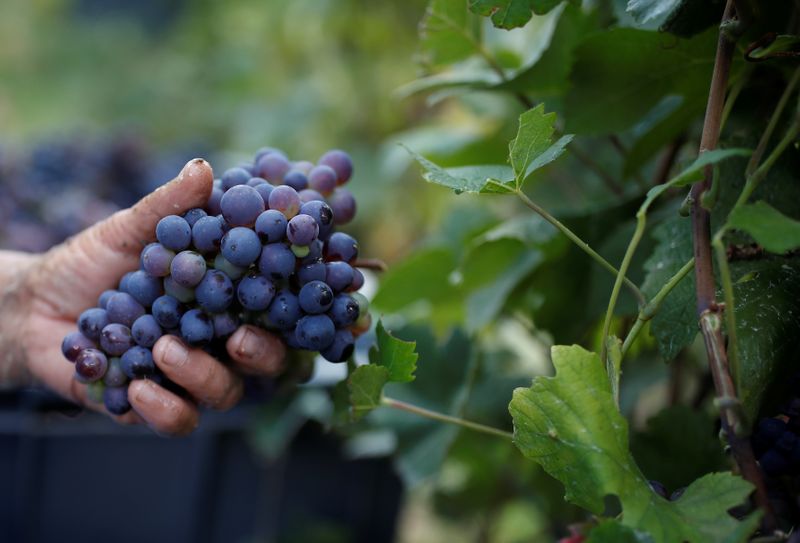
[68,279]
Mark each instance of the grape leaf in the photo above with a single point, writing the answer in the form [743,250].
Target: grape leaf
[570,425]
[620,74]
[773,230]
[511,13]
[675,324]
[533,147]
[366,388]
[396,355]
[648,10]
[767,299]
[613,531]
[481,179]
[447,32]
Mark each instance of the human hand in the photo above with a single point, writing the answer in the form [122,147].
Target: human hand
[46,293]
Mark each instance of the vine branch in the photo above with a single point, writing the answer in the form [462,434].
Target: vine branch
[708,311]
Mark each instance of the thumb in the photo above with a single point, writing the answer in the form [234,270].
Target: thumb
[94,260]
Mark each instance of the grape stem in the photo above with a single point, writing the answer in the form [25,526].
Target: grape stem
[375,264]
[582,244]
[708,311]
[441,417]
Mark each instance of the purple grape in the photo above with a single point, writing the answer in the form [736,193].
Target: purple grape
[241,246]
[188,268]
[241,205]
[256,181]
[249,167]
[232,271]
[123,283]
[75,342]
[322,179]
[123,308]
[296,179]
[340,246]
[302,230]
[309,195]
[255,292]
[174,233]
[92,321]
[322,213]
[339,275]
[116,339]
[344,205]
[286,200]
[102,302]
[144,288]
[91,365]
[315,332]
[358,280]
[214,201]
[264,189]
[314,252]
[137,362]
[167,311]
[272,167]
[315,297]
[271,226]
[207,234]
[235,177]
[344,311]
[341,163]
[114,376]
[303,166]
[277,261]
[225,323]
[284,311]
[116,400]
[193,215]
[155,260]
[341,348]
[314,271]
[196,327]
[179,292]
[264,151]
[146,331]
[214,293]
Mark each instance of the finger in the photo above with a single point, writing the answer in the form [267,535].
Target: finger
[204,377]
[162,410]
[95,259]
[256,352]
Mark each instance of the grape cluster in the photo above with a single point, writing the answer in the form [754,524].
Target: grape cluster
[264,251]
[776,445]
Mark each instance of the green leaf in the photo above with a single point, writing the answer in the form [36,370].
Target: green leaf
[675,324]
[396,355]
[666,122]
[511,13]
[533,147]
[648,10]
[423,282]
[694,172]
[486,179]
[621,74]
[366,388]
[448,32]
[613,531]
[767,299]
[773,230]
[678,446]
[781,44]
[571,427]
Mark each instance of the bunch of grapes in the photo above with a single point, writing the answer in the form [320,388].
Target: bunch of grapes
[264,251]
[776,444]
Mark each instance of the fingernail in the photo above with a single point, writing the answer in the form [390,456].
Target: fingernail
[146,393]
[190,166]
[251,344]
[175,354]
